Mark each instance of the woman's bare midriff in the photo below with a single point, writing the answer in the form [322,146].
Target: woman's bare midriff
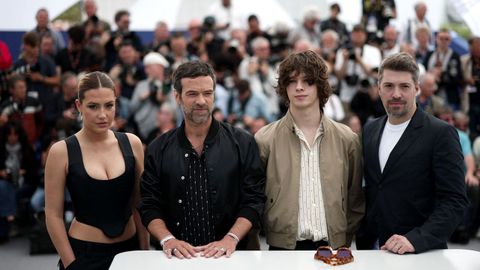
[82,231]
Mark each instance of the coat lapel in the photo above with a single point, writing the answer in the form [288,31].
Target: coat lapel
[408,138]
[375,144]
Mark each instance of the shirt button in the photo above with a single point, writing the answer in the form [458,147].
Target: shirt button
[178,223]
[179,201]
[186,155]
[183,177]
[206,146]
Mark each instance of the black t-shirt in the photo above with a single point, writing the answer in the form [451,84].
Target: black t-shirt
[46,66]
[76,62]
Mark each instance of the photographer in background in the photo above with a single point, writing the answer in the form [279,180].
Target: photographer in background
[118,37]
[22,108]
[334,24]
[96,30]
[255,31]
[39,71]
[161,39]
[150,94]
[260,73]
[249,111]
[178,52]
[212,41]
[471,77]
[376,14]
[18,176]
[63,118]
[129,69]
[76,57]
[355,63]
[42,28]
[445,64]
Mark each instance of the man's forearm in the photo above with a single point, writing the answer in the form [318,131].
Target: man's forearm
[158,228]
[241,227]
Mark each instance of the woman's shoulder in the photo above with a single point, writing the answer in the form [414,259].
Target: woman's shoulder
[135,142]
[58,148]
[133,139]
[58,152]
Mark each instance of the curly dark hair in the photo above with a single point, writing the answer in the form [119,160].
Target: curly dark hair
[312,65]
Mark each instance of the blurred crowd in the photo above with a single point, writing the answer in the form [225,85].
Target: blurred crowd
[38,90]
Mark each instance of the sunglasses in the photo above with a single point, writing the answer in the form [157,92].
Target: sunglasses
[326,255]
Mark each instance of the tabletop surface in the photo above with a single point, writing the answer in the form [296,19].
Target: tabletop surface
[274,260]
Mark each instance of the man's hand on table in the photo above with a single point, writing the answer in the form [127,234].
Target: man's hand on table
[179,249]
[216,249]
[398,244]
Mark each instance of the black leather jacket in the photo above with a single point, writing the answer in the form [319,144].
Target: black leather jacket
[236,178]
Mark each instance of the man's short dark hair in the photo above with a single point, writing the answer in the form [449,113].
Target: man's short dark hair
[30,39]
[12,82]
[76,34]
[66,76]
[314,68]
[120,14]
[192,69]
[358,28]
[335,6]
[126,43]
[473,39]
[399,62]
[243,86]
[252,17]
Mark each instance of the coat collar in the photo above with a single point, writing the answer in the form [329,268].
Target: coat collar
[289,123]
[409,136]
[212,133]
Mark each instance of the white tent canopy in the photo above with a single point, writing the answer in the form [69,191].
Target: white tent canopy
[19,15]
[177,14]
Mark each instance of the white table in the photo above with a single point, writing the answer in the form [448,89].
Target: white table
[448,259]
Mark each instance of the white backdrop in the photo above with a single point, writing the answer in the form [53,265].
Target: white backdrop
[19,15]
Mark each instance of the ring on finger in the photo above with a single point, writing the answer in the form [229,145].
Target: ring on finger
[167,250]
[175,249]
[222,249]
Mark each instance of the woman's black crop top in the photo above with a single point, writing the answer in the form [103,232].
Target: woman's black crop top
[105,204]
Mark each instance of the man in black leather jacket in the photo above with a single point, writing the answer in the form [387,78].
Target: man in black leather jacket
[203,185]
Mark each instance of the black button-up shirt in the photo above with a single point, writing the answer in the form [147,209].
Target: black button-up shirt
[199,220]
[235,180]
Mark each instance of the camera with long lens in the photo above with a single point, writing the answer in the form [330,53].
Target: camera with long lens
[364,83]
[351,53]
[153,92]
[19,70]
[352,80]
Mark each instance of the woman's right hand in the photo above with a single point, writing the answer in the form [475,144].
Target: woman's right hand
[68,266]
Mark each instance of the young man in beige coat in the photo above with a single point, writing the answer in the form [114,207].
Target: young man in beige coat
[313,164]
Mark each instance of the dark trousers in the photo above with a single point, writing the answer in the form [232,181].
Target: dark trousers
[304,245]
[97,256]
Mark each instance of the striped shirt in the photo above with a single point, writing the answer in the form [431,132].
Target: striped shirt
[199,218]
[312,224]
